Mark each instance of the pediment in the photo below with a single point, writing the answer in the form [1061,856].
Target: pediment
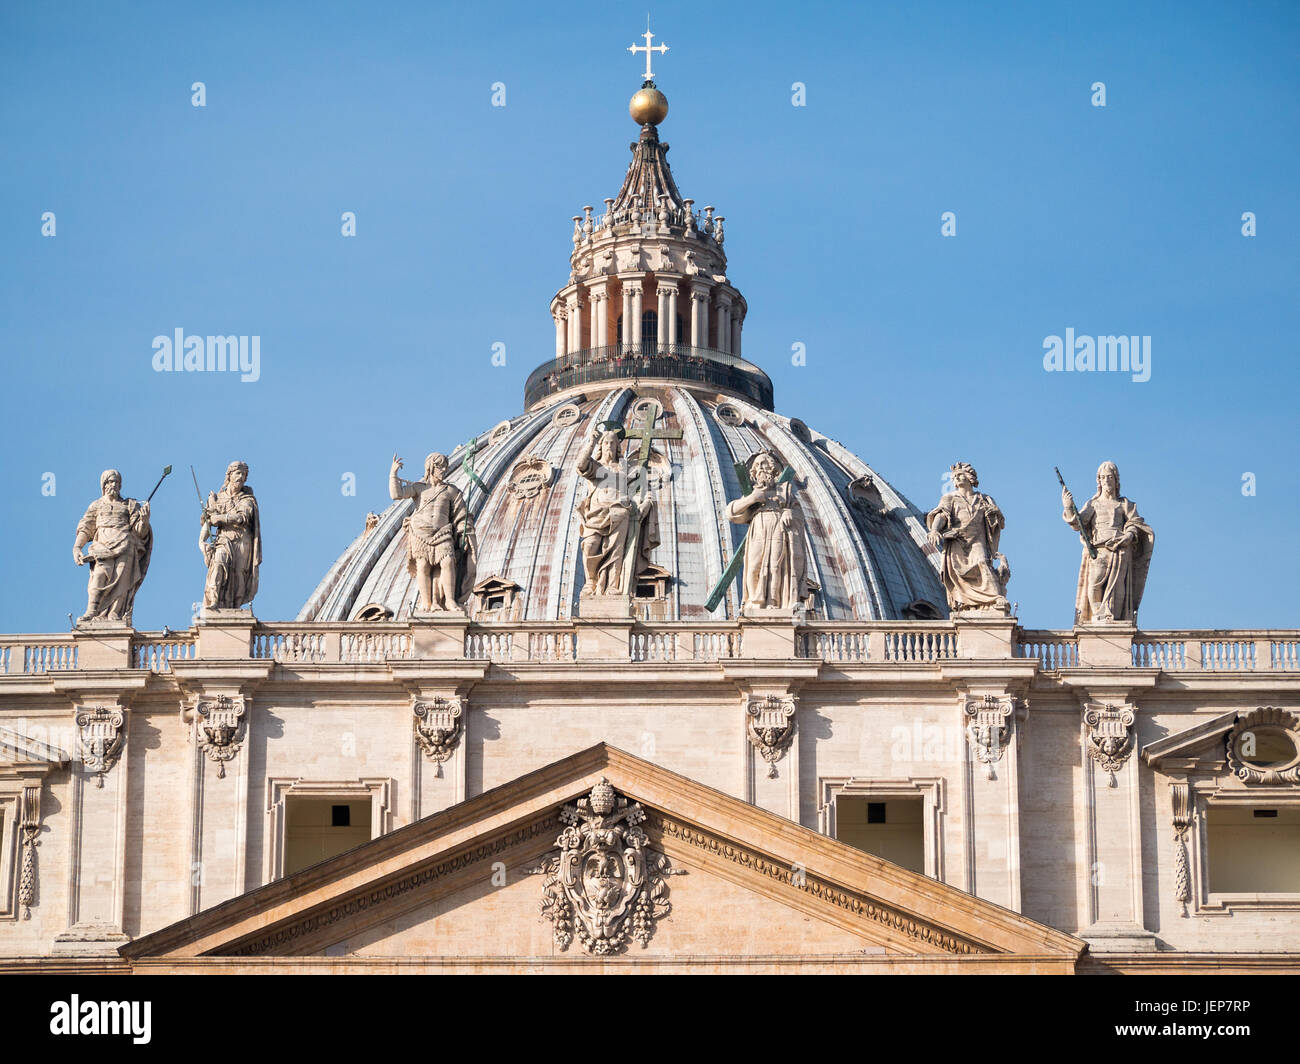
[1201,745]
[723,884]
[1259,745]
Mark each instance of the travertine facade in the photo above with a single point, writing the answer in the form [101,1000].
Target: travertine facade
[583,729]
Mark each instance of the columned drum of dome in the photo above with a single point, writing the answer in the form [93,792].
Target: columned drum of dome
[648,333]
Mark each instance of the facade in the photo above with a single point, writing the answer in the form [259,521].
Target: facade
[648,678]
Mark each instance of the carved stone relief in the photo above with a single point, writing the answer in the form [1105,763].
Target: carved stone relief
[1181,798]
[438,727]
[769,723]
[221,729]
[529,476]
[1110,736]
[100,735]
[1263,747]
[605,886]
[29,827]
[988,728]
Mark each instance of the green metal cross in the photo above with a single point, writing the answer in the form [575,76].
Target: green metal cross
[467,464]
[733,567]
[647,432]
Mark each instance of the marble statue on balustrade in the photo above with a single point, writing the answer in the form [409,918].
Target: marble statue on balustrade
[1110,584]
[120,541]
[966,526]
[441,546]
[775,563]
[231,541]
[618,522]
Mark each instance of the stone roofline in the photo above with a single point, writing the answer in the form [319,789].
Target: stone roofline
[842,644]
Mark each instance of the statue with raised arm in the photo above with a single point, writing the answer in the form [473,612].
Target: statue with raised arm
[234,552]
[1111,582]
[618,526]
[441,548]
[966,526]
[120,539]
[775,563]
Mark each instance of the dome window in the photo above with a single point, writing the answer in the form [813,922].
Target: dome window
[497,599]
[569,414]
[374,611]
[730,414]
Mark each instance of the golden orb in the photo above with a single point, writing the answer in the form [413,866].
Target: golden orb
[648,107]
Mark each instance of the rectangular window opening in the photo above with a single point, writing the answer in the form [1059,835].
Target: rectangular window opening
[892,828]
[1253,850]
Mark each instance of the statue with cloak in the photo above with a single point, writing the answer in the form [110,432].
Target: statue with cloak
[120,539]
[231,541]
[967,525]
[775,566]
[1110,584]
[619,527]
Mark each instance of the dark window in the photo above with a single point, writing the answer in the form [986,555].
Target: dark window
[650,327]
[1268,813]
[340,816]
[647,589]
[496,602]
[875,812]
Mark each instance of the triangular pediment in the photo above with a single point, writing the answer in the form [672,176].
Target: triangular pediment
[1191,746]
[727,885]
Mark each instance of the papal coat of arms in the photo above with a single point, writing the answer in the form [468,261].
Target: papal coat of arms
[605,885]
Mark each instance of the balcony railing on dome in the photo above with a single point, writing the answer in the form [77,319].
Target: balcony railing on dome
[704,365]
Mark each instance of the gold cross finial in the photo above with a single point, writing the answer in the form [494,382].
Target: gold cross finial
[648,48]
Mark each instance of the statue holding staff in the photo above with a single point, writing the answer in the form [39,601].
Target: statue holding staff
[234,553]
[120,539]
[1112,579]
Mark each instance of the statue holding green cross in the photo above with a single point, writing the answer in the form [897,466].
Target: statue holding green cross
[772,553]
[619,523]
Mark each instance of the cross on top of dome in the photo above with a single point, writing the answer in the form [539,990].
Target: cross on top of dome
[648,48]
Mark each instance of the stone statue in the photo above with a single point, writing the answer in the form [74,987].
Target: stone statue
[1111,584]
[121,542]
[775,564]
[234,554]
[441,548]
[618,531]
[967,525]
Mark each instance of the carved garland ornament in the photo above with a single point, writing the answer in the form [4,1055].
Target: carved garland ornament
[1110,738]
[605,885]
[222,729]
[988,728]
[1181,800]
[438,727]
[100,736]
[1280,732]
[770,725]
[30,829]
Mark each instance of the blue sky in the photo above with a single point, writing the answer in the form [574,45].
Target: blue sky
[921,350]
